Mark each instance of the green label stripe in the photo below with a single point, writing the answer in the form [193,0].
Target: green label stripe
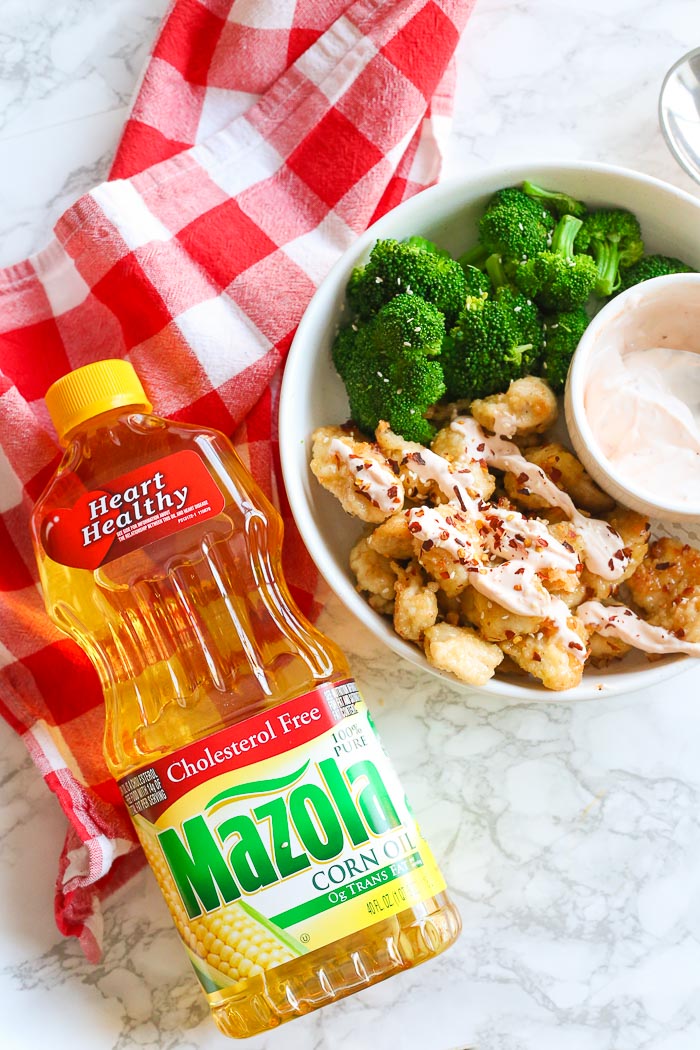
[286,938]
[351,889]
[257,787]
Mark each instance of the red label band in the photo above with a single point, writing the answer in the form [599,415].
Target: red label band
[137,508]
[154,789]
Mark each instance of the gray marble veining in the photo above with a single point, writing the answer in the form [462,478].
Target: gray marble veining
[569,833]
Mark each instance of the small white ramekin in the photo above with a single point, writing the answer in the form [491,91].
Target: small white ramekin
[678,295]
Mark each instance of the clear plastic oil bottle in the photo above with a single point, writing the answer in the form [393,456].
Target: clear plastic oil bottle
[267,809]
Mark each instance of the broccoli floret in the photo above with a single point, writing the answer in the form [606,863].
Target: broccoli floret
[614,238]
[388,368]
[651,266]
[557,278]
[477,281]
[426,245]
[395,268]
[514,225]
[560,202]
[562,333]
[496,339]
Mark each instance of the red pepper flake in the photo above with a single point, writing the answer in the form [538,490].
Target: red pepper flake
[611,564]
[458,494]
[444,574]
[679,632]
[575,645]
[392,492]
[394,466]
[537,658]
[555,474]
[522,478]
[444,535]
[565,543]
[416,457]
[481,447]
[509,634]
[628,612]
[620,555]
[520,571]
[414,526]
[517,586]
[428,545]
[662,565]
[449,520]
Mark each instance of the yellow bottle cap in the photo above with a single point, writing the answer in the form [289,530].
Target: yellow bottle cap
[91,390]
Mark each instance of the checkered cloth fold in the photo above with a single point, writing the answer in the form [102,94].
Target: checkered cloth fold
[266,134]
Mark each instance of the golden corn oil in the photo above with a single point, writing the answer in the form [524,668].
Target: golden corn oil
[267,809]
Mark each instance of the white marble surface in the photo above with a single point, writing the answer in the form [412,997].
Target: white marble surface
[570,834]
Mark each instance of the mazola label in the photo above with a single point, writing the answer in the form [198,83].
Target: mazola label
[280,835]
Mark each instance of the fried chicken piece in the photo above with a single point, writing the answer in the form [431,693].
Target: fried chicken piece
[528,407]
[667,587]
[493,622]
[415,604]
[392,538]
[546,655]
[450,557]
[375,576]
[603,650]
[426,474]
[398,453]
[569,586]
[567,473]
[635,530]
[450,445]
[462,652]
[356,473]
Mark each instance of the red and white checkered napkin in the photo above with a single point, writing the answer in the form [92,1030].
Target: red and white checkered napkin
[265,137]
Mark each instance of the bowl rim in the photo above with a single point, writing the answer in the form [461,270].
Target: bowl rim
[594,686]
[576,390]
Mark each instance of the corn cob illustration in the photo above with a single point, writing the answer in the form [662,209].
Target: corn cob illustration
[228,947]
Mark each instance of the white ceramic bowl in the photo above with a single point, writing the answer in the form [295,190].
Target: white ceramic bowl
[664,311]
[313,395]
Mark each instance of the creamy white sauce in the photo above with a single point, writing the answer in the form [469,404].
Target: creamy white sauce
[429,526]
[617,621]
[603,545]
[643,406]
[375,481]
[521,537]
